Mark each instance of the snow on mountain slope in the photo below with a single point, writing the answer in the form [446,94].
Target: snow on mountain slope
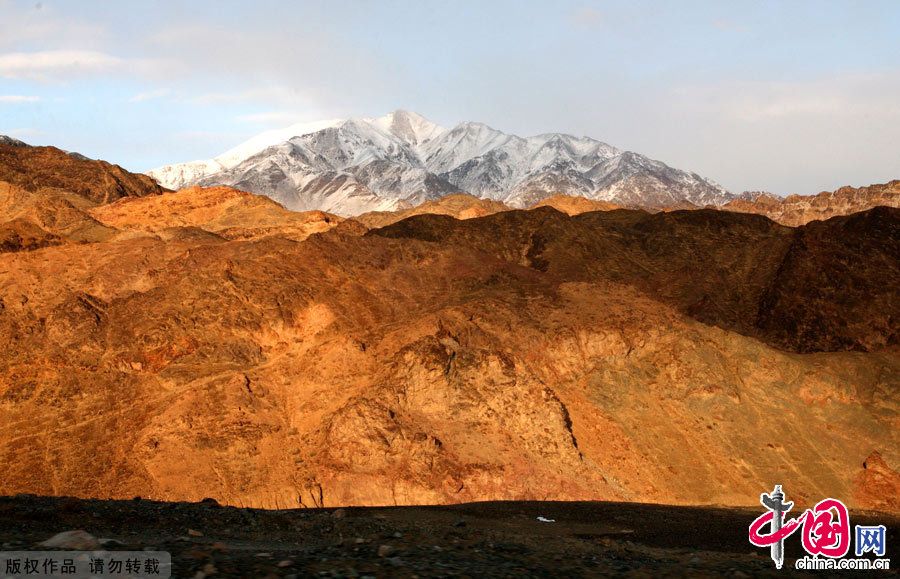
[264,140]
[354,166]
[402,159]
[183,174]
[412,128]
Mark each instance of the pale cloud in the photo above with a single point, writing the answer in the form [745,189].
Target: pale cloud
[786,104]
[150,95]
[271,117]
[794,136]
[870,96]
[587,17]
[56,64]
[728,25]
[37,24]
[22,133]
[214,138]
[16,99]
[258,94]
[276,66]
[49,66]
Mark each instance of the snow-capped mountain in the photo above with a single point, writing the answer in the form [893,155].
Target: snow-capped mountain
[351,166]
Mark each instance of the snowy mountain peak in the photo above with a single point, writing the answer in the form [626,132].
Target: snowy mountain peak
[411,127]
[349,166]
[256,144]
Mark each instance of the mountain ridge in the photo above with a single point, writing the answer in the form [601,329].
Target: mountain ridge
[795,210]
[352,166]
[35,168]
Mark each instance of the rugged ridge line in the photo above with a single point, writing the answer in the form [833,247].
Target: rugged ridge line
[353,166]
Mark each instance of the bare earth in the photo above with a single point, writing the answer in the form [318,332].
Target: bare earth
[466,540]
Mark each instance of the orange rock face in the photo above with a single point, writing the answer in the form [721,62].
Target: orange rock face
[573,204]
[458,205]
[50,169]
[227,212]
[437,361]
[208,343]
[878,485]
[56,216]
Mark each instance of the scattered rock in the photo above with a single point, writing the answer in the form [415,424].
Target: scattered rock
[339,513]
[193,533]
[76,540]
[285,563]
[385,550]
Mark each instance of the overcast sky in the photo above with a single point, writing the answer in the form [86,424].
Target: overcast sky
[789,97]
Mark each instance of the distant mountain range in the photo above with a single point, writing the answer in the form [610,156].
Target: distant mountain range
[351,166]
[797,210]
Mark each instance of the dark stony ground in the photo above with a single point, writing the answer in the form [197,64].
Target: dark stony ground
[469,540]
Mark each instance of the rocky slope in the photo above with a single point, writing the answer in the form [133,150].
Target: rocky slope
[459,206]
[44,218]
[521,355]
[574,205]
[50,169]
[33,220]
[46,195]
[227,212]
[801,209]
[354,166]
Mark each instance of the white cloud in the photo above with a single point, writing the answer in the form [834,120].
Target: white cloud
[56,64]
[587,17]
[871,96]
[726,25]
[17,99]
[212,138]
[271,117]
[786,136]
[26,23]
[150,95]
[276,94]
[272,64]
[780,104]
